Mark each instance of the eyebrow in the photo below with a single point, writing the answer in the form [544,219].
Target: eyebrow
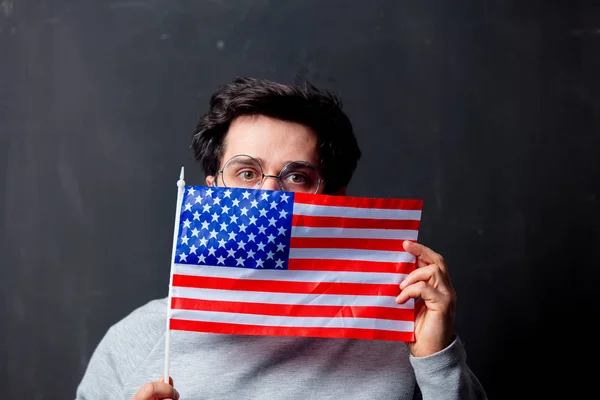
[262,162]
[244,162]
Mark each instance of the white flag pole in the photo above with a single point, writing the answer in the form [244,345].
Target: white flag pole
[180,190]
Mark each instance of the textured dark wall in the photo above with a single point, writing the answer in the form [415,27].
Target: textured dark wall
[487,110]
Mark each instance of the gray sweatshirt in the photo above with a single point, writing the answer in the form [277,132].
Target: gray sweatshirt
[215,366]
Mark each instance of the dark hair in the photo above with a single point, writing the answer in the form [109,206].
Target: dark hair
[317,109]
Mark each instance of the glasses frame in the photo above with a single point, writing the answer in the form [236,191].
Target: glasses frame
[264,176]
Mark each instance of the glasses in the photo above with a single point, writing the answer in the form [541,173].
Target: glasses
[243,171]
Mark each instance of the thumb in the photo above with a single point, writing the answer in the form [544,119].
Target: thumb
[162,380]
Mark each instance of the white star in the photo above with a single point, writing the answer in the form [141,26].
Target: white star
[211,251]
[261,246]
[243,228]
[262,229]
[201,258]
[273,204]
[259,263]
[234,219]
[220,260]
[188,207]
[265,196]
[225,209]
[223,226]
[282,230]
[215,217]
[240,261]
[195,232]
[244,211]
[271,238]
[279,264]
[222,243]
[186,223]
[235,202]
[213,234]
[283,213]
[203,242]
[184,240]
[191,191]
[251,237]
[254,203]
[270,255]
[284,197]
[196,215]
[231,253]
[227,193]
[198,199]
[241,245]
[217,201]
[205,225]
[232,235]
[205,208]
[182,257]
[209,192]
[272,221]
[251,253]
[280,247]
[252,220]
[193,249]
[246,194]
[263,212]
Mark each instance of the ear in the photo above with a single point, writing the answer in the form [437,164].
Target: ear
[341,191]
[209,180]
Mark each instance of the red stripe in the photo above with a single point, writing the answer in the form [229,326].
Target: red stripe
[359,202]
[361,223]
[350,266]
[346,243]
[294,310]
[240,329]
[340,288]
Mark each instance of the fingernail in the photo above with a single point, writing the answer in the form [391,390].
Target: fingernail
[176,394]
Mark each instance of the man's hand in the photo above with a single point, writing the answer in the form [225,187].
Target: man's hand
[157,390]
[435,301]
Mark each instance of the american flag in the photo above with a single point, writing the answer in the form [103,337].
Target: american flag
[259,262]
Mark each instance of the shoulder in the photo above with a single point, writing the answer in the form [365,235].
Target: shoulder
[123,349]
[149,318]
[140,331]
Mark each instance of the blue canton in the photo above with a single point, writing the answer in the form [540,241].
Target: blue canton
[232,227]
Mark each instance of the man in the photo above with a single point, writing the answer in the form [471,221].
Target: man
[253,131]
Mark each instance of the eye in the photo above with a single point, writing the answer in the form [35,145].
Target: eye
[297,179]
[248,175]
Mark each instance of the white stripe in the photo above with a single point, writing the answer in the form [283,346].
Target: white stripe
[288,298]
[355,212]
[289,275]
[305,322]
[352,254]
[399,234]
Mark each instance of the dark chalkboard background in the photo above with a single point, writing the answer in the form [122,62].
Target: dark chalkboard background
[487,110]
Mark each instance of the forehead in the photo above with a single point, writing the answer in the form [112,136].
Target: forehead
[273,141]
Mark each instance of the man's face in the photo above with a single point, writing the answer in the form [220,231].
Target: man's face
[273,142]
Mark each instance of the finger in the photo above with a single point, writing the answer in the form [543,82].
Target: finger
[156,390]
[424,253]
[431,274]
[428,293]
[162,379]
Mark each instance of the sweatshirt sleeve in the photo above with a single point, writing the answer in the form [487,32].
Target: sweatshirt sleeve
[446,375]
[122,350]
[102,378]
